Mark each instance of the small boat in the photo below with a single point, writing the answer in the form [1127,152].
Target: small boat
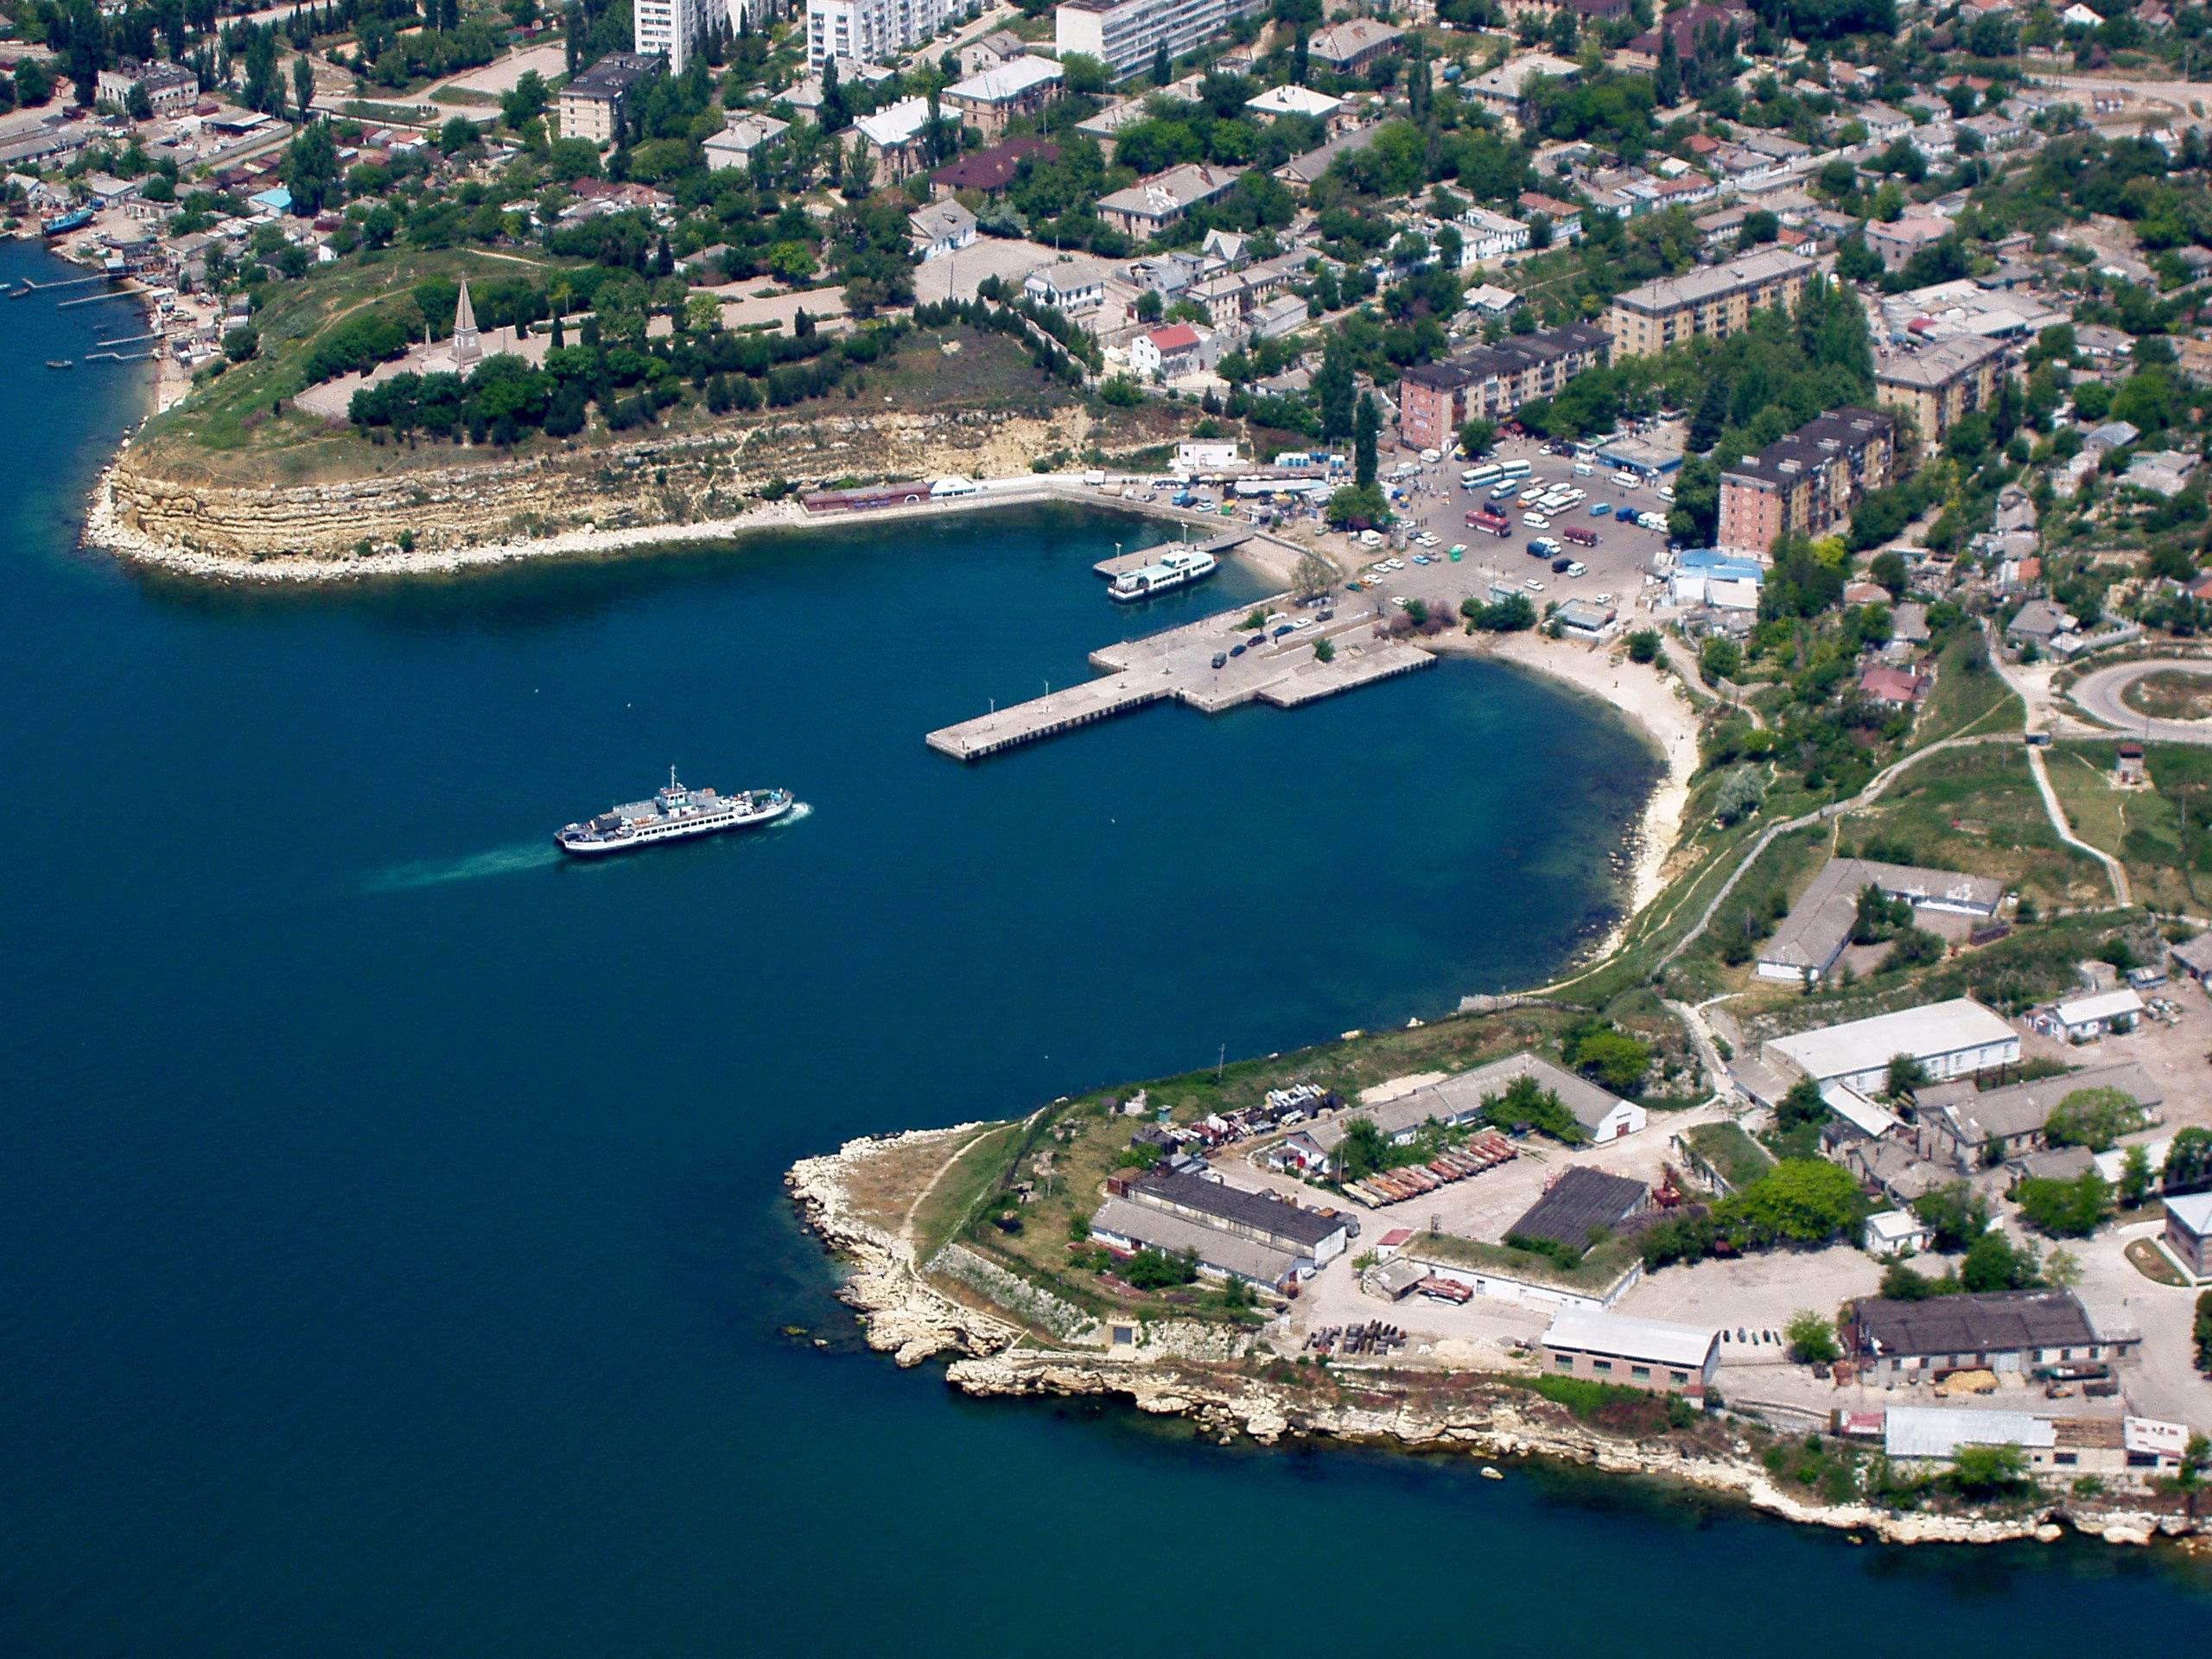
[60,363]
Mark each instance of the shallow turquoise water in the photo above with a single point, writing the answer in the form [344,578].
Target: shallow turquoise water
[394,1242]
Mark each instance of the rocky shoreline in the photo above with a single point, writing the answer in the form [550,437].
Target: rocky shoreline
[905,1315]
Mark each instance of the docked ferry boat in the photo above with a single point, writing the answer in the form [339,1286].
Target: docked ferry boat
[673,814]
[1176,570]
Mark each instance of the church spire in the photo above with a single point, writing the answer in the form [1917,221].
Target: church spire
[467,348]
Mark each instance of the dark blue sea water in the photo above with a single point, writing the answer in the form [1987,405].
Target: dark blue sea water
[393,1243]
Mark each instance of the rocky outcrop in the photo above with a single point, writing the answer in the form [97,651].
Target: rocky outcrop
[1507,1423]
[1212,1376]
[162,502]
[902,1315]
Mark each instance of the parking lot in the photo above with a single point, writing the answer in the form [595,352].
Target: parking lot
[1617,566]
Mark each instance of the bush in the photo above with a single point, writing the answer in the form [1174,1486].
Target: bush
[1812,1339]
[1155,1270]
[242,344]
[1643,645]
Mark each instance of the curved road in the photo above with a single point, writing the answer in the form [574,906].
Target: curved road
[2099,695]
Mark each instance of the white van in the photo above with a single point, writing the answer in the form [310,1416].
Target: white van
[1627,481]
[1583,469]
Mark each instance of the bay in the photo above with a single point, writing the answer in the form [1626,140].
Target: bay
[396,1255]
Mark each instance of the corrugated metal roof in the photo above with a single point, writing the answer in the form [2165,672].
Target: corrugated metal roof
[1868,1045]
[1934,1431]
[1588,1330]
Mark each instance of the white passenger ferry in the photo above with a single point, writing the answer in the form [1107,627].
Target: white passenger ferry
[673,814]
[1176,570]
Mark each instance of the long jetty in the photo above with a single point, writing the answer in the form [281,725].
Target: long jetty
[1178,665]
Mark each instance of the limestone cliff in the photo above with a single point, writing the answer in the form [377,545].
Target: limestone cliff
[162,502]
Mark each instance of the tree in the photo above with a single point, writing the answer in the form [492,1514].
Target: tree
[2064,1208]
[1801,1106]
[1955,1214]
[1993,1263]
[1812,1339]
[1313,576]
[2188,1161]
[311,168]
[2095,1118]
[1906,1074]
[2200,1332]
[1739,796]
[1367,427]
[1800,1200]
[1162,70]
[1720,658]
[1988,1470]
[2063,1269]
[1643,645]
[139,104]
[2135,1178]
[1362,1151]
[2189,1478]
[242,343]
[1712,416]
[1616,1058]
[1333,389]
[302,82]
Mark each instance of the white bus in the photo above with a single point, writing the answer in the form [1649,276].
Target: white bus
[1475,477]
[1514,469]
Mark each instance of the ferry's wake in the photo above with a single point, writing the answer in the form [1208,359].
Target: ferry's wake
[436,872]
[799,809]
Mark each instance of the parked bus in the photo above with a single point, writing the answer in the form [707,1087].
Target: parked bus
[1514,469]
[1475,477]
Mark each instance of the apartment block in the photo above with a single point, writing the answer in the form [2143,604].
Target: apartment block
[1126,35]
[1805,483]
[1940,384]
[1717,301]
[1436,399]
[874,31]
[592,105]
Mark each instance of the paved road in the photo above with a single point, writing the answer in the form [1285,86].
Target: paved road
[2100,696]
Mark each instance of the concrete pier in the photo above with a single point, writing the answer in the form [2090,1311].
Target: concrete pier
[1177,665]
[1122,564]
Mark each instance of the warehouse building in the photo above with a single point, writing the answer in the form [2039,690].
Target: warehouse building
[1819,924]
[1948,1039]
[1655,1355]
[1978,1128]
[2014,1333]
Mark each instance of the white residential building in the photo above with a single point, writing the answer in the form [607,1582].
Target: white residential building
[1126,35]
[875,31]
[675,29]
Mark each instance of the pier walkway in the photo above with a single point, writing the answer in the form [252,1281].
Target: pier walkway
[1221,547]
[1177,665]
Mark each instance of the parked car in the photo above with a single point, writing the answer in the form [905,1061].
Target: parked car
[1625,515]
[1576,567]
[1532,584]
[1560,566]
[1221,660]
[1536,521]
